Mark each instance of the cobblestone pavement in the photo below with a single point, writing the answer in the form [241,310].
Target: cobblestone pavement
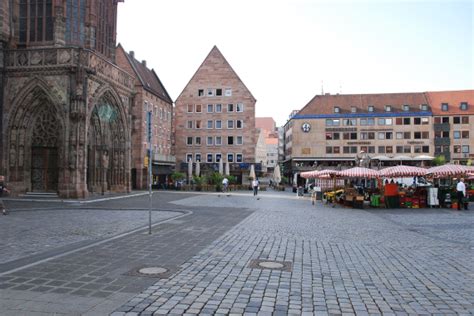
[30,232]
[97,278]
[334,261]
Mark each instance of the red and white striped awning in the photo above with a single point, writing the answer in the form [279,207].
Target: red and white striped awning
[448,170]
[359,172]
[309,174]
[319,174]
[402,171]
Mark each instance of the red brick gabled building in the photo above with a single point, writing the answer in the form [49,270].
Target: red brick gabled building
[150,95]
[215,118]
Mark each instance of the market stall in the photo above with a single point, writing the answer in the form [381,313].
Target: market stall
[396,195]
[354,196]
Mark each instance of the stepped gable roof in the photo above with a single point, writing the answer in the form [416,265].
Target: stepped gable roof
[215,52]
[454,99]
[324,104]
[148,78]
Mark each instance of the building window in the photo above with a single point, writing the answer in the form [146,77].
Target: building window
[190,108]
[370,108]
[218,124]
[218,141]
[198,124]
[388,108]
[230,140]
[353,109]
[417,120]
[228,92]
[36,20]
[189,157]
[198,108]
[230,108]
[381,149]
[210,124]
[209,140]
[198,140]
[425,121]
[230,157]
[465,134]
[465,119]
[218,108]
[189,141]
[239,140]
[332,122]
[218,92]
[337,109]
[385,121]
[230,124]
[444,107]
[399,135]
[239,107]
[424,107]
[209,158]
[239,124]
[200,92]
[218,157]
[465,149]
[349,122]
[371,149]
[210,92]
[189,124]
[328,136]
[239,158]
[456,134]
[406,107]
[463,106]
[210,108]
[197,157]
[457,149]
[457,120]
[329,150]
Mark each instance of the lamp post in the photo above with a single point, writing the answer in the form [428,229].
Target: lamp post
[150,153]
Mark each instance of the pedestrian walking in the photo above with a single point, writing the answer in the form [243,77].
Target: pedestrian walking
[255,187]
[225,184]
[3,190]
[461,194]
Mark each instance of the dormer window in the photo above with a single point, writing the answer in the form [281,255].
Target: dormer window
[424,107]
[353,109]
[463,106]
[406,107]
[388,108]
[444,107]
[337,109]
[371,108]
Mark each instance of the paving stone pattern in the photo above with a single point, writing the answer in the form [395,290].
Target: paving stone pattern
[96,280]
[30,232]
[345,262]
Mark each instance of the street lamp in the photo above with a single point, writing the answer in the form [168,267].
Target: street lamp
[150,153]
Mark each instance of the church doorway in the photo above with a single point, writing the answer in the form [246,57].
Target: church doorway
[44,152]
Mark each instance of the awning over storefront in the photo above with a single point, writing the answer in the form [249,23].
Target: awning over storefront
[162,169]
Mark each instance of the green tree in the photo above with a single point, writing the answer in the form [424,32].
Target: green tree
[439,160]
[177,176]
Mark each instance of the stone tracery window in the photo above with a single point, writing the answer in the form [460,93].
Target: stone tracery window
[75,21]
[45,131]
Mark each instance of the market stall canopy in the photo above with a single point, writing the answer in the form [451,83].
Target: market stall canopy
[359,172]
[327,173]
[423,157]
[448,170]
[277,174]
[309,174]
[197,172]
[402,171]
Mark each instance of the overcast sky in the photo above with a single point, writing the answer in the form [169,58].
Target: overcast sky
[284,49]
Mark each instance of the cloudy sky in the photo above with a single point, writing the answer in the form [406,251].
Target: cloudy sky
[287,51]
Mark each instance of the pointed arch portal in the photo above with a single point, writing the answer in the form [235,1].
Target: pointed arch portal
[106,148]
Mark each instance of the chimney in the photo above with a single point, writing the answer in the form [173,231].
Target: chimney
[144,63]
[132,54]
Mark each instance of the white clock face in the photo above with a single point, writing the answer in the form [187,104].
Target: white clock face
[306,127]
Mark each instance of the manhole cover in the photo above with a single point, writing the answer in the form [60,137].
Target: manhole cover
[152,270]
[271,265]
